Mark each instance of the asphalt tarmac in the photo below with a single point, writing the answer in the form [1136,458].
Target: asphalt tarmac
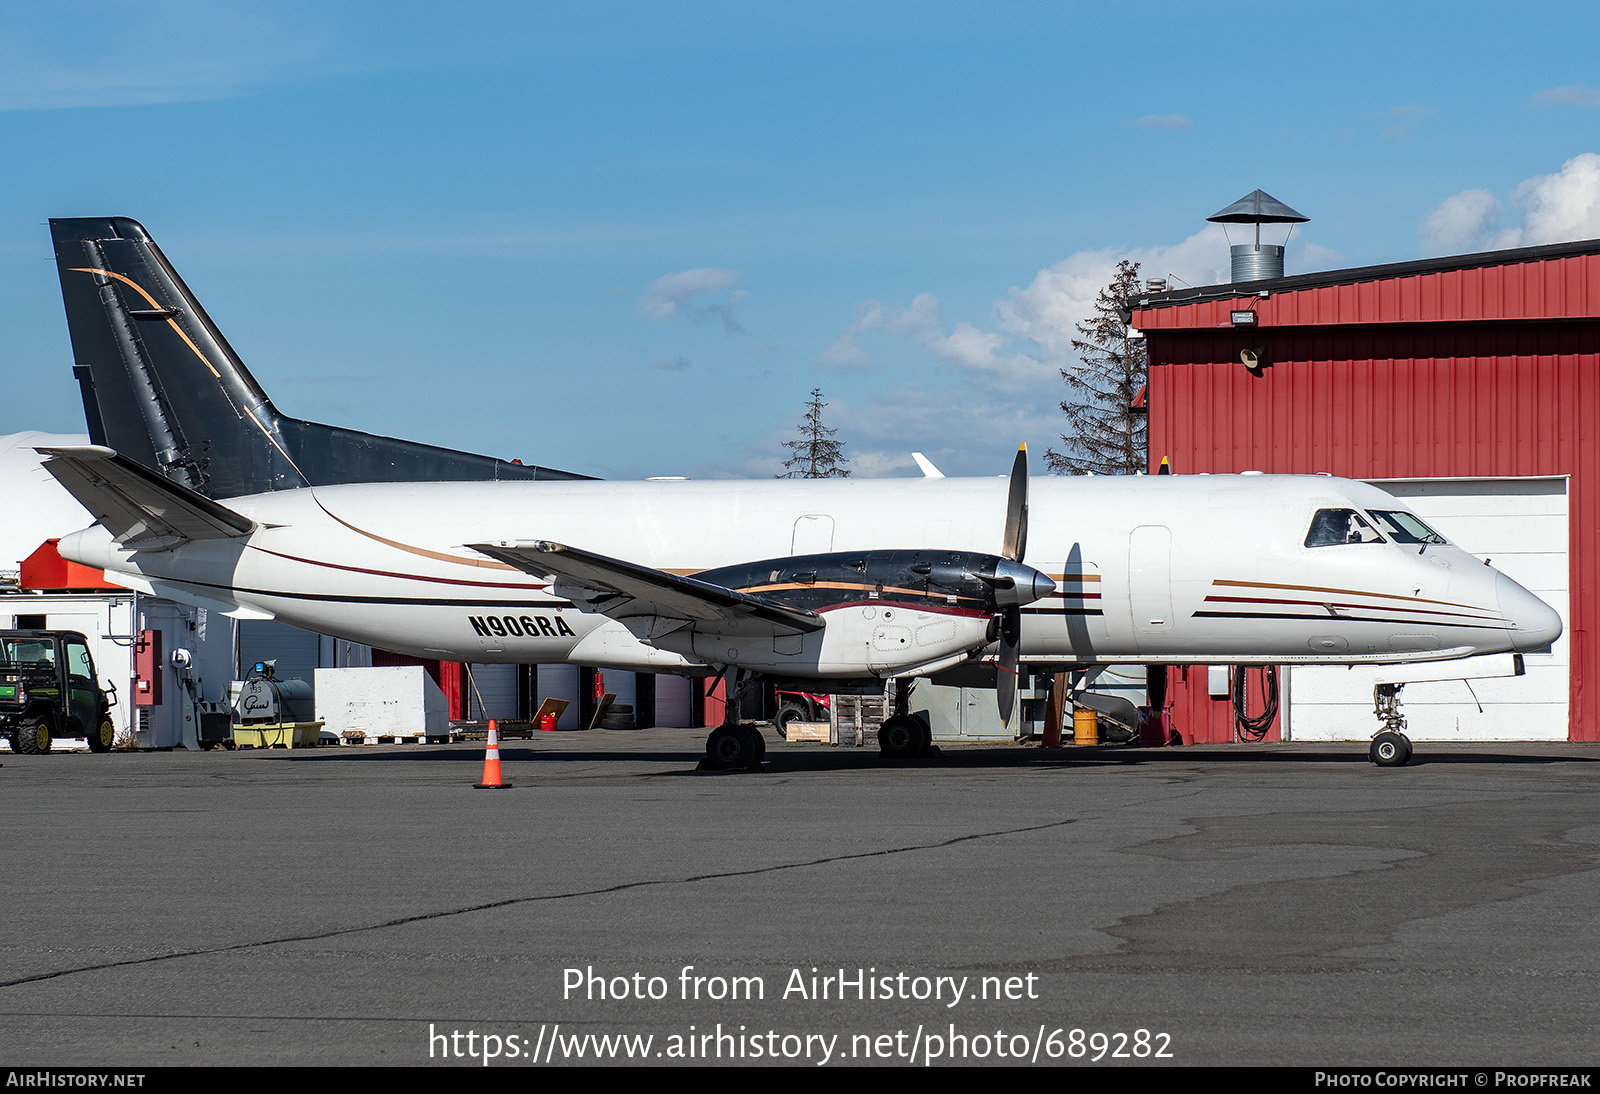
[1251,904]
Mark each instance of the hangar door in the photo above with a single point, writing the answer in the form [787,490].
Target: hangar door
[1520,525]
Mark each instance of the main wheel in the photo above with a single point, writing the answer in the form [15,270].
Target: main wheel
[102,739]
[1390,749]
[729,747]
[902,737]
[34,738]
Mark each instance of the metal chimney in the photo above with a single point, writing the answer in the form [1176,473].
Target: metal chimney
[1255,261]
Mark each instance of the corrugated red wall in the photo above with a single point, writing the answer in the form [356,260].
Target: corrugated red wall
[1398,379]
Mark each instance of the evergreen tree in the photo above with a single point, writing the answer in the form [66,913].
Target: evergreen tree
[815,455]
[1106,435]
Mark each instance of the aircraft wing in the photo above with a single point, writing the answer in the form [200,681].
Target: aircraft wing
[141,509]
[650,602]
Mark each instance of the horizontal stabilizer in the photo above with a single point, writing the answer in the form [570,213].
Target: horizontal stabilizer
[141,509]
[628,592]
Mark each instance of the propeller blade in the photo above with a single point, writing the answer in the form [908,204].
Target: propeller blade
[1008,665]
[1016,541]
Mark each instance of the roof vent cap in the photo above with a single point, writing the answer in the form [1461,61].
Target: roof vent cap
[1257,261]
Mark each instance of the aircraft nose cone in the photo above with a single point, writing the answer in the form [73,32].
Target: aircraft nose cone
[1534,624]
[1027,585]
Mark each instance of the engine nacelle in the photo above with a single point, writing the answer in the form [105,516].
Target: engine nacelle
[885,638]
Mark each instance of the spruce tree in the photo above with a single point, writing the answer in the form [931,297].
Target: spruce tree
[1106,434]
[815,455]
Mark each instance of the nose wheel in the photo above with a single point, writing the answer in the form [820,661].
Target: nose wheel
[1390,749]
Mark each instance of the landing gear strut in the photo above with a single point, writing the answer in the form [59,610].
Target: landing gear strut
[733,744]
[1390,745]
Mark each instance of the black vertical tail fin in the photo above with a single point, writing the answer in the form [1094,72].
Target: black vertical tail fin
[162,386]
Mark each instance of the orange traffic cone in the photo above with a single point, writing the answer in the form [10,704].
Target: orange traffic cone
[491,763]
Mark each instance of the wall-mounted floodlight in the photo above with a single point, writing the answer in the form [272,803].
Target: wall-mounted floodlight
[1243,318]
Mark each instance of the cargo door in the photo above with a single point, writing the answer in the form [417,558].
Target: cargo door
[1150,584]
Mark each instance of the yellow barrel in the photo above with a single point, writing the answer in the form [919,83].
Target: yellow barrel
[1085,726]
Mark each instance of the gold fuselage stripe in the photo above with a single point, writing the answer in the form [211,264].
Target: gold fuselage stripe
[1342,592]
[438,556]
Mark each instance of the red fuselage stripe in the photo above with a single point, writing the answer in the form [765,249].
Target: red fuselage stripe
[390,573]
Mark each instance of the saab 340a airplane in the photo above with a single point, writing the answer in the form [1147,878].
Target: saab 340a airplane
[838,583]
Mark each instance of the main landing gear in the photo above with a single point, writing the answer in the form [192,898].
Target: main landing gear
[1390,745]
[903,735]
[734,745]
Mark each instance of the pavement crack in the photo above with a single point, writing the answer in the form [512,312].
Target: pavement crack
[511,902]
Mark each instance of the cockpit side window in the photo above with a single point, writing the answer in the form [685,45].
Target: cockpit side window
[1331,526]
[1404,527]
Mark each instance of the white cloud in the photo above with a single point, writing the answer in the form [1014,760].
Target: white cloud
[843,350]
[1407,113]
[1569,95]
[1563,206]
[1030,339]
[976,438]
[1162,121]
[1006,385]
[1313,256]
[1556,208]
[1048,311]
[966,346]
[866,464]
[668,297]
[1460,224]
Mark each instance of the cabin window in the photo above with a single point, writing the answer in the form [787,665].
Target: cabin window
[1331,526]
[1404,527]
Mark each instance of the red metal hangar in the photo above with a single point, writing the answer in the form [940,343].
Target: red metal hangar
[1470,387]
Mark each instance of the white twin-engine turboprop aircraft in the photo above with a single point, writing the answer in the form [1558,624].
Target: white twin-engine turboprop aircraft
[215,498]
[844,581]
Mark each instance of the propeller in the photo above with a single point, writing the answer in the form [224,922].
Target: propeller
[1015,545]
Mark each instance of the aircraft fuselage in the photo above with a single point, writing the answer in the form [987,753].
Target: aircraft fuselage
[1172,569]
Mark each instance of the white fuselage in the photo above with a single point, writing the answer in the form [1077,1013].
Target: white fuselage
[1171,569]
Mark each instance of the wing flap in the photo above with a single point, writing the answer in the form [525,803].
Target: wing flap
[141,509]
[645,597]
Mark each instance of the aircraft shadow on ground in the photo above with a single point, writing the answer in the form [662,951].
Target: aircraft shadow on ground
[782,759]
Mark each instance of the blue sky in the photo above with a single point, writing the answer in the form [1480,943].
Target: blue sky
[627,239]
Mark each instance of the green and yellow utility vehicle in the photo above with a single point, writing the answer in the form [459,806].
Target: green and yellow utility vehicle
[48,689]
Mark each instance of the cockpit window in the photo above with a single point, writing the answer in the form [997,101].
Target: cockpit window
[1332,526]
[1404,527]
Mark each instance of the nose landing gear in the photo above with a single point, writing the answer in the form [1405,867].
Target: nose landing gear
[1390,745]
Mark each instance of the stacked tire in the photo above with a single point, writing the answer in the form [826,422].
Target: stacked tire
[618,716]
